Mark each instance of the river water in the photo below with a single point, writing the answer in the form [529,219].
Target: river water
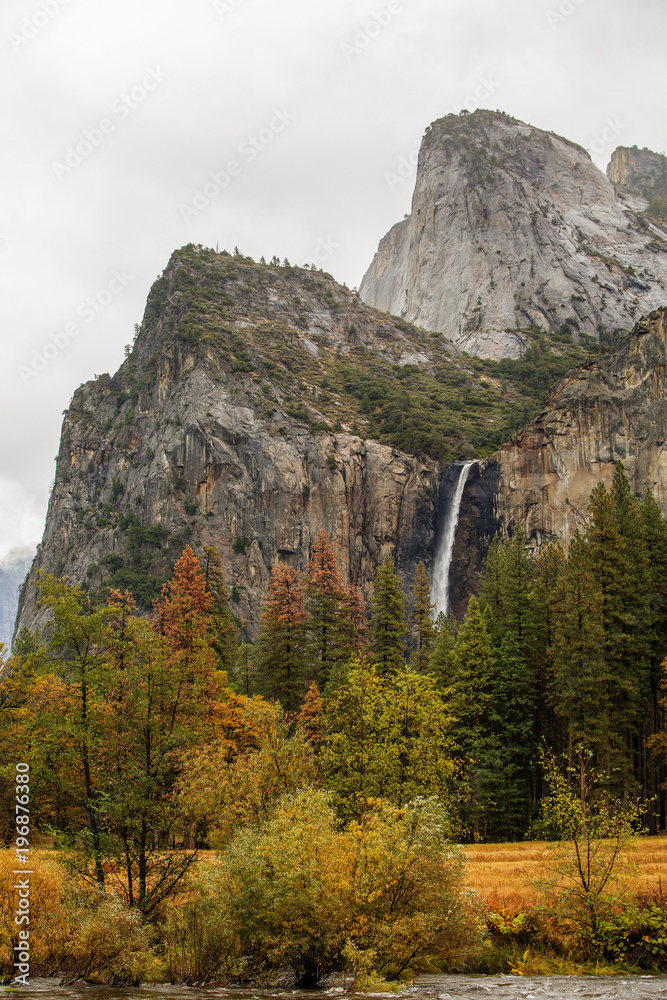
[426,988]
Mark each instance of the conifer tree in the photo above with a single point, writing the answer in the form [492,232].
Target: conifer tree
[506,586]
[473,693]
[388,625]
[422,632]
[475,676]
[580,688]
[654,527]
[493,579]
[442,659]
[356,611]
[329,626]
[279,647]
[618,563]
[548,566]
[225,634]
[245,668]
[183,614]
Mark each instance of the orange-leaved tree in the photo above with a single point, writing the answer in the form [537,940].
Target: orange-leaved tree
[330,625]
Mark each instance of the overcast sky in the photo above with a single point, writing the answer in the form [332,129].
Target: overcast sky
[116,113]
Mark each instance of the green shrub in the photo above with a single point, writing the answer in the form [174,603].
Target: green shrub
[388,891]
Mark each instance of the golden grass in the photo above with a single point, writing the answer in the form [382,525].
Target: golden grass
[508,871]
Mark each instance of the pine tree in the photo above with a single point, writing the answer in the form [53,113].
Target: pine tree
[442,661]
[506,586]
[580,688]
[655,545]
[422,631]
[225,634]
[279,647]
[329,628]
[493,578]
[475,676]
[356,611]
[511,721]
[547,726]
[473,693]
[618,564]
[245,669]
[388,625]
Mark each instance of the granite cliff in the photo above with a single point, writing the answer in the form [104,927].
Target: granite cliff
[262,402]
[612,409]
[640,176]
[512,226]
[638,171]
[243,418]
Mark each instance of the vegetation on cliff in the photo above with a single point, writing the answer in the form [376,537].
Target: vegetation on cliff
[307,349]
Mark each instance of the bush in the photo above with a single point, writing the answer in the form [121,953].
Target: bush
[382,896]
[75,932]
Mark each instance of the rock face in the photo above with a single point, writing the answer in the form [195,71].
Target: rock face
[215,431]
[512,226]
[613,409]
[13,568]
[197,439]
[638,171]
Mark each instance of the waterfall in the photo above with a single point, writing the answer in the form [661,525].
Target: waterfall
[443,556]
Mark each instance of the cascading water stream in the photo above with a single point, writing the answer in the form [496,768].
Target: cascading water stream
[443,556]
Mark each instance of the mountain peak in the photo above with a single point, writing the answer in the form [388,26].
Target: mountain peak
[513,225]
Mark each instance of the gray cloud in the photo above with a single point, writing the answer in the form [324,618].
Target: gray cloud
[226,68]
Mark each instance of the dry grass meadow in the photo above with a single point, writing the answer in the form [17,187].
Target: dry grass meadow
[506,873]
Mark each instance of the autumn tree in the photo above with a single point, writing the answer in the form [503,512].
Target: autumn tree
[309,716]
[106,720]
[227,785]
[386,736]
[329,625]
[68,718]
